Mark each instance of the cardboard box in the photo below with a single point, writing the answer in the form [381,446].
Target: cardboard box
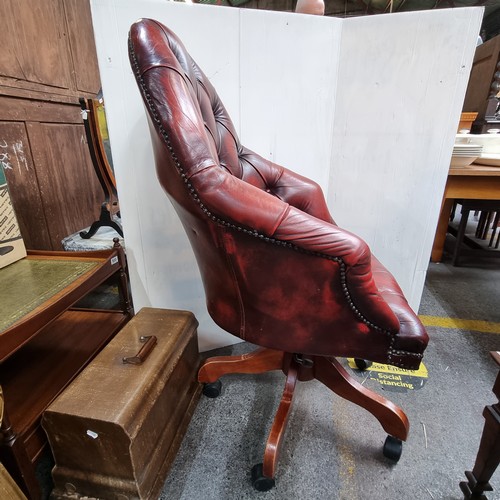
[11,242]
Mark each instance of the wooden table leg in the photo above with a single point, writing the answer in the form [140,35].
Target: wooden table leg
[443,221]
[16,460]
[488,455]
[460,235]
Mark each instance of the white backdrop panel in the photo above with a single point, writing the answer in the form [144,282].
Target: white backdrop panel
[318,95]
[401,86]
[287,90]
[163,271]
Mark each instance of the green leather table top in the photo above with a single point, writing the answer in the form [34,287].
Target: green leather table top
[28,283]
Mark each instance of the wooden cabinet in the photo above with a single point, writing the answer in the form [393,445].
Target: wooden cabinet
[484,84]
[47,62]
[45,341]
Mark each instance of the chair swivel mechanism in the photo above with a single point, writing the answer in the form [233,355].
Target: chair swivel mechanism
[276,269]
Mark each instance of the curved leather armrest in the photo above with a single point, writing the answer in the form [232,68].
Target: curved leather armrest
[251,207]
[312,234]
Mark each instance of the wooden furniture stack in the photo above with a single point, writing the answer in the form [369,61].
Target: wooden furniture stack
[45,342]
[484,85]
[48,62]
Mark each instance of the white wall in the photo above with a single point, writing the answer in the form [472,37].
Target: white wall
[365,106]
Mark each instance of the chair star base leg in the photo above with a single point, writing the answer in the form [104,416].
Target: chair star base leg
[259,361]
[275,439]
[392,418]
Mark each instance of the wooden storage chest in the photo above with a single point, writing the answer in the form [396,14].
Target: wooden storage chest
[115,430]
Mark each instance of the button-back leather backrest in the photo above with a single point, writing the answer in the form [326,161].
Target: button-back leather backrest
[200,128]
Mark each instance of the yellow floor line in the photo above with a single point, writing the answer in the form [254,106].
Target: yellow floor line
[461,324]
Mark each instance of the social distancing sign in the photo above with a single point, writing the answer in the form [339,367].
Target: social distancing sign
[392,378]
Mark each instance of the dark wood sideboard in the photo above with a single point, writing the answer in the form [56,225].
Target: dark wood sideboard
[46,340]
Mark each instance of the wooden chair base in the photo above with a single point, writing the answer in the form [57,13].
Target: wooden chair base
[297,367]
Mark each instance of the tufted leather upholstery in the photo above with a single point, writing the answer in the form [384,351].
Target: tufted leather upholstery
[277,270]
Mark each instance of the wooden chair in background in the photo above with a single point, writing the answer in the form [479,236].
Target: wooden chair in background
[103,169]
[489,218]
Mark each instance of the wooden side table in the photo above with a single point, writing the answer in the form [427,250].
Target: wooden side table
[488,455]
[45,342]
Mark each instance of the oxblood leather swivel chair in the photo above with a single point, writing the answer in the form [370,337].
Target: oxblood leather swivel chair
[277,271]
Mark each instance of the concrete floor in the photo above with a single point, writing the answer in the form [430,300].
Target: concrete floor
[333,449]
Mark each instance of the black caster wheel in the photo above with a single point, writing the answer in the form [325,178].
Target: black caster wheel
[362,364]
[259,481]
[393,447]
[212,389]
